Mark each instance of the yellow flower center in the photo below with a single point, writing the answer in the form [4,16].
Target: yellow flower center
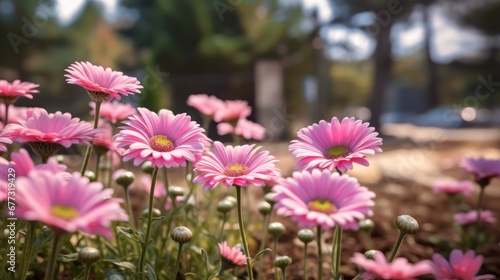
[336,152]
[322,205]
[235,170]
[161,143]
[64,212]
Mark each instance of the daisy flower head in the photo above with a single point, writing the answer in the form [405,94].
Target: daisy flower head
[4,140]
[238,165]
[164,139]
[18,114]
[399,268]
[23,164]
[114,111]
[207,105]
[453,187]
[464,266]
[69,205]
[10,92]
[322,198]
[232,110]
[470,217]
[481,168]
[46,133]
[337,144]
[101,84]
[231,256]
[249,129]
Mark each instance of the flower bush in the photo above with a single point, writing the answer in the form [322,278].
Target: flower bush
[84,224]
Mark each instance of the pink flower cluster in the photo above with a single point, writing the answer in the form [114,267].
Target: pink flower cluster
[230,114]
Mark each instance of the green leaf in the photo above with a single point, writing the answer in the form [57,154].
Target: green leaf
[68,258]
[112,274]
[261,252]
[204,257]
[126,265]
[42,240]
[151,272]
[130,233]
[191,274]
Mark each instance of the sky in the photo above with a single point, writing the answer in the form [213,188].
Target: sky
[449,41]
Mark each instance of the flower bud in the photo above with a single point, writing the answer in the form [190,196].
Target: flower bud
[175,191]
[282,262]
[231,199]
[156,213]
[181,234]
[91,175]
[147,167]
[265,208]
[225,206]
[370,254]
[306,235]
[366,225]
[269,198]
[276,229]
[60,159]
[89,255]
[406,224]
[125,179]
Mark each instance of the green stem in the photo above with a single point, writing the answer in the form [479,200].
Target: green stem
[263,243]
[221,235]
[177,262]
[275,251]
[28,249]
[86,159]
[306,276]
[86,275]
[97,162]
[242,233]
[337,245]
[397,245]
[51,264]
[368,239]
[283,273]
[6,118]
[320,254]
[479,206]
[129,210]
[163,201]
[145,244]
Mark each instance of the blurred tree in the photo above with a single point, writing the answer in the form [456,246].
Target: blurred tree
[190,38]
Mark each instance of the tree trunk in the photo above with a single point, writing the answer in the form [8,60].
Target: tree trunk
[432,92]
[382,72]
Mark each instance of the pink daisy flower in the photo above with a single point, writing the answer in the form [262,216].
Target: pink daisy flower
[104,142]
[23,164]
[322,198]
[239,165]
[57,128]
[114,111]
[453,187]
[207,105]
[233,255]
[245,128]
[5,140]
[18,114]
[461,266]
[101,84]
[335,145]
[481,168]
[249,129]
[9,92]
[164,139]
[232,110]
[68,205]
[224,128]
[399,268]
[471,217]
